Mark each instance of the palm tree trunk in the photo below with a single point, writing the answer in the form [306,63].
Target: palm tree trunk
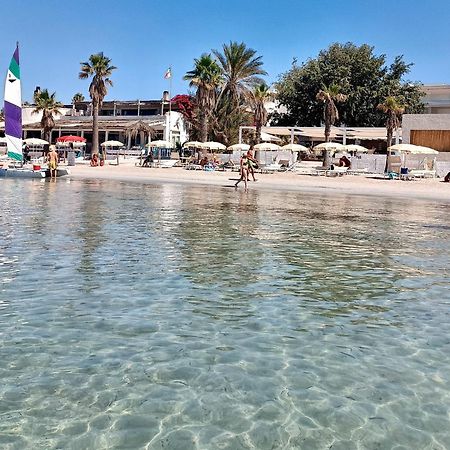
[258,133]
[326,157]
[389,135]
[95,129]
[204,126]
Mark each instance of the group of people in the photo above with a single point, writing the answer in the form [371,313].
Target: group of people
[96,160]
[248,164]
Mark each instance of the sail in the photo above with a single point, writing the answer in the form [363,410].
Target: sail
[13,109]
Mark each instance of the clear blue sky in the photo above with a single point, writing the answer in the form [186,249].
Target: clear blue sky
[144,37]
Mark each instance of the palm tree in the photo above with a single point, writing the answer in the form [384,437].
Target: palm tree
[392,108]
[240,69]
[206,78]
[329,95]
[260,95]
[78,97]
[47,104]
[100,68]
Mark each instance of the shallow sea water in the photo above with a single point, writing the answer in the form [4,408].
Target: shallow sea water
[185,317]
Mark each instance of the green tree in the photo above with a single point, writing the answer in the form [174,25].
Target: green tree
[78,97]
[365,77]
[393,111]
[100,69]
[241,71]
[205,78]
[260,95]
[47,104]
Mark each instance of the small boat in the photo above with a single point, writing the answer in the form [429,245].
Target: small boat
[13,127]
[22,172]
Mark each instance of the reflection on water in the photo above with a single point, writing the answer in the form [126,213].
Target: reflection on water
[166,316]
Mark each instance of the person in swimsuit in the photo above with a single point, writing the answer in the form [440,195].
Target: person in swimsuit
[52,158]
[252,164]
[244,171]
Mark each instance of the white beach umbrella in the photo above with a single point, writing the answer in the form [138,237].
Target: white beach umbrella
[266,146]
[192,144]
[295,148]
[329,146]
[355,148]
[35,141]
[239,147]
[212,145]
[413,149]
[112,144]
[161,144]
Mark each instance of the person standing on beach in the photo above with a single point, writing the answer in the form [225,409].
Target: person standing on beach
[252,164]
[244,171]
[52,158]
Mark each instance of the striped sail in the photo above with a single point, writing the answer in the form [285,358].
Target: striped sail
[13,109]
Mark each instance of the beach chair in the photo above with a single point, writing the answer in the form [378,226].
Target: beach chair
[337,171]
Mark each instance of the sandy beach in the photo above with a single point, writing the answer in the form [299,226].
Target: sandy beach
[421,189]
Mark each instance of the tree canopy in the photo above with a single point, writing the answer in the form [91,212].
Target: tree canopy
[364,77]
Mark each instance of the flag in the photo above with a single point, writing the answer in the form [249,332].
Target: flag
[168,73]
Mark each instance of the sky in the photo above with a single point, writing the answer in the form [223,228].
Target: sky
[144,37]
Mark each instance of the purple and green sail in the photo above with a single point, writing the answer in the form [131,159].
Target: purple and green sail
[13,109]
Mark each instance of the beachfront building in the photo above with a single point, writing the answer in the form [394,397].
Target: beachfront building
[124,121]
[437,98]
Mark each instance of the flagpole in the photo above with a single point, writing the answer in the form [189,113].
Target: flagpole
[170,105]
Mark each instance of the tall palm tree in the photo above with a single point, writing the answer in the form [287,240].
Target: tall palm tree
[260,95]
[241,70]
[393,110]
[100,68]
[329,96]
[205,77]
[47,104]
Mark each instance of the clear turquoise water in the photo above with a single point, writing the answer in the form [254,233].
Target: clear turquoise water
[179,317]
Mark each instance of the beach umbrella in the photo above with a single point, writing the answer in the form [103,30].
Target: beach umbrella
[192,144]
[410,149]
[161,144]
[71,139]
[295,148]
[266,146]
[35,141]
[413,149]
[328,146]
[212,145]
[239,147]
[112,144]
[355,148]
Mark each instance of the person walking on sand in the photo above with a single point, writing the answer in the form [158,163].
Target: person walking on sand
[52,158]
[252,164]
[244,171]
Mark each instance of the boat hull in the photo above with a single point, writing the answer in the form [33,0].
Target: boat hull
[28,173]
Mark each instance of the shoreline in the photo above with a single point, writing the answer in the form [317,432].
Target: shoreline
[422,189]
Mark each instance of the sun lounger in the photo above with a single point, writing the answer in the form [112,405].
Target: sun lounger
[416,173]
[166,163]
[336,171]
[270,168]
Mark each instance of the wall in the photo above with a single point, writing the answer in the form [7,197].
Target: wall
[429,122]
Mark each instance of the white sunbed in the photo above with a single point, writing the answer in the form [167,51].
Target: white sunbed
[417,173]
[166,163]
[337,171]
